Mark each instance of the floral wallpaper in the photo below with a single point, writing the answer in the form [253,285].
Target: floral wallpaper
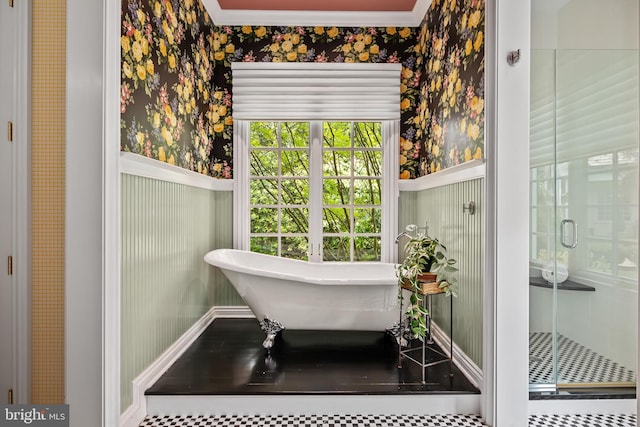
[176,91]
[451,109]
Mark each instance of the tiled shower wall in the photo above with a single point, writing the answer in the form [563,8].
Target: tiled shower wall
[167,228]
[441,209]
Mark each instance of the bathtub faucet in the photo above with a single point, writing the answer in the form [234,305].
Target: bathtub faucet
[401,235]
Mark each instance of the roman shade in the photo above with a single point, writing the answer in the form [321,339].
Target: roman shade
[315,91]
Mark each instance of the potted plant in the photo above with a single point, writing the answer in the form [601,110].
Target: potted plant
[426,269]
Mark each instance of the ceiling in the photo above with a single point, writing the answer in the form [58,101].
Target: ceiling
[346,13]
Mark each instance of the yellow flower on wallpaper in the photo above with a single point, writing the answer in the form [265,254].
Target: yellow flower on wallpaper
[162,155]
[126,70]
[261,31]
[125,43]
[302,48]
[228,121]
[477,104]
[318,30]
[218,127]
[374,49]
[391,30]
[246,29]
[364,56]
[405,104]
[346,48]
[405,32]
[141,72]
[468,47]
[136,50]
[403,160]
[172,160]
[478,154]
[166,135]
[333,32]
[219,55]
[473,131]
[172,61]
[405,174]
[405,144]
[463,21]
[467,154]
[150,66]
[163,48]
[140,138]
[478,43]
[474,19]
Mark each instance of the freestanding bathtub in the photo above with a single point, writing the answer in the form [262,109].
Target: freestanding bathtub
[291,294]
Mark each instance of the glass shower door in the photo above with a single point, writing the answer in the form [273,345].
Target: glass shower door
[584,199]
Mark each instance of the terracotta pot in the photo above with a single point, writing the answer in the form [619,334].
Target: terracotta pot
[427,277]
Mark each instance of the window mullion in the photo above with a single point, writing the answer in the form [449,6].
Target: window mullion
[315,191]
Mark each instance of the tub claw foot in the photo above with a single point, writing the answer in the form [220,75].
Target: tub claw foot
[272,328]
[394,331]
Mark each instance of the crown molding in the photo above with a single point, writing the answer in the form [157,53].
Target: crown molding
[411,18]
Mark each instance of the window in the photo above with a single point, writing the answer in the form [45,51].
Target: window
[327,126]
[315,190]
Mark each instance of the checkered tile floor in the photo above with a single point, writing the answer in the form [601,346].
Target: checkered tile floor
[316,421]
[576,363]
[382,421]
[582,420]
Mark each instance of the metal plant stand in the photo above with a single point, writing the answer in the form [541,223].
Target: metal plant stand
[427,343]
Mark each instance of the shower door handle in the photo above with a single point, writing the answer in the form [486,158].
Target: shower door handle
[574,237]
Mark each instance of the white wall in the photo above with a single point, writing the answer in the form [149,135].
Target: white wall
[83,214]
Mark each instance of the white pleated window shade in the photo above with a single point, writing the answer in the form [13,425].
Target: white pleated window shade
[583,103]
[315,91]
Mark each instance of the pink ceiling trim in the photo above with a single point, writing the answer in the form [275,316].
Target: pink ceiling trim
[320,5]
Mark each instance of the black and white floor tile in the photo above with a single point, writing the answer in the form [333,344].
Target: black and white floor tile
[315,421]
[380,421]
[576,363]
[582,420]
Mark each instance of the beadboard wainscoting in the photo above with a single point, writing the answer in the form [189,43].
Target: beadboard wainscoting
[441,208]
[168,224]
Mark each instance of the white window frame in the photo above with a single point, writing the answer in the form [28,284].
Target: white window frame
[389,197]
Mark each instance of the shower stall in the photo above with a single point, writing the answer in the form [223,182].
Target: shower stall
[583,195]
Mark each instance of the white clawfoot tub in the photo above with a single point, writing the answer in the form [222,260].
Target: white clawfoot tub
[291,294]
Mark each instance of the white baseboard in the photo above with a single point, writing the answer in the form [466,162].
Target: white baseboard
[381,404]
[135,413]
[462,361]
